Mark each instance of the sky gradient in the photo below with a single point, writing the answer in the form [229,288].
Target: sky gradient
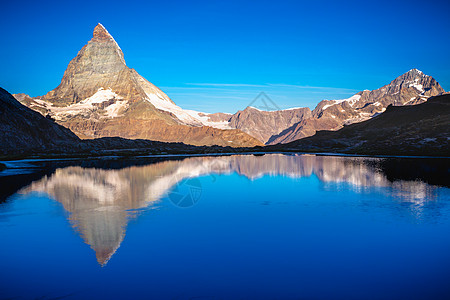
[217,56]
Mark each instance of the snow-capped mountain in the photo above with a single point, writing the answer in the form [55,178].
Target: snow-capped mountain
[100,96]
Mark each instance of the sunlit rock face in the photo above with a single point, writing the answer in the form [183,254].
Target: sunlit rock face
[101,202]
[265,124]
[98,65]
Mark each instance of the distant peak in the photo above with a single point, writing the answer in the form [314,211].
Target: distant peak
[413,74]
[415,71]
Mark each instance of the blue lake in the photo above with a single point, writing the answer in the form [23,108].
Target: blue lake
[226,227]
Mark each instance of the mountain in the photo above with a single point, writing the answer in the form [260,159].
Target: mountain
[24,129]
[421,129]
[100,96]
[284,126]
[265,124]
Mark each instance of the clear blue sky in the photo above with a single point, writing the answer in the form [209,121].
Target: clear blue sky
[217,56]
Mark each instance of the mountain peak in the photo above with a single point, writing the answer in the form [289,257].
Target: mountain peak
[102,35]
[415,73]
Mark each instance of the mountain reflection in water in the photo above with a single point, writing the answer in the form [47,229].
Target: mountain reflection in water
[101,202]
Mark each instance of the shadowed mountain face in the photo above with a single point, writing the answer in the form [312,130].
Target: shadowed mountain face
[24,129]
[100,96]
[101,202]
[407,130]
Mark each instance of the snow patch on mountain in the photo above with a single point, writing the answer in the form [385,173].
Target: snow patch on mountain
[293,108]
[352,100]
[114,109]
[100,96]
[416,85]
[189,117]
[161,103]
[89,104]
[206,120]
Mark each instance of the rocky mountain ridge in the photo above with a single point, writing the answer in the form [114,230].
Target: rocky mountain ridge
[411,88]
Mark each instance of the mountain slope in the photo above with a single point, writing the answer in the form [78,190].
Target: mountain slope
[264,124]
[99,96]
[24,129]
[421,129]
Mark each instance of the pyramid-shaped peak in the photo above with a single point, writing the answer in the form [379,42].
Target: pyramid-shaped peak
[101,34]
[415,72]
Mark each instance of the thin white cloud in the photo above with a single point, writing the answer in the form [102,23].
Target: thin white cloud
[270,85]
[310,87]
[231,97]
[227,84]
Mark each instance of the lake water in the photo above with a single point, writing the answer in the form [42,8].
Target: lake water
[226,227]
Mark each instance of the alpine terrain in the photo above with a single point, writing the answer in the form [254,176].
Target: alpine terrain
[421,129]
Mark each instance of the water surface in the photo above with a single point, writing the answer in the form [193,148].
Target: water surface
[228,227]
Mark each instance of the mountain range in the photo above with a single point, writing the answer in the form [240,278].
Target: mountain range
[284,126]
[103,105]
[100,96]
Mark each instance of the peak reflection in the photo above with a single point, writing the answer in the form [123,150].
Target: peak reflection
[101,202]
